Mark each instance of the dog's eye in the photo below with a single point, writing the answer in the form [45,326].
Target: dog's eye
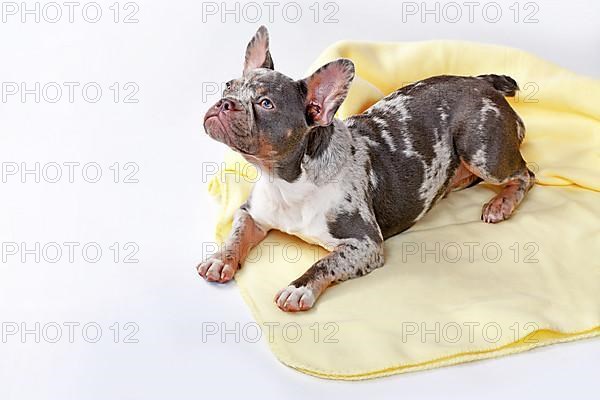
[266,104]
[228,85]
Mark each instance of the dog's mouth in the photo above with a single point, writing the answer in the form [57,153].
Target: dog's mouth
[217,129]
[214,119]
[214,127]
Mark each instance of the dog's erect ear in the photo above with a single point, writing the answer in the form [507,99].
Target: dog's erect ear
[257,52]
[326,89]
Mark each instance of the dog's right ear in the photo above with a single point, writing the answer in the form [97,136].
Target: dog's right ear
[257,52]
[326,89]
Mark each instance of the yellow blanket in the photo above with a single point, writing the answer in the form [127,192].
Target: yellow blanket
[453,289]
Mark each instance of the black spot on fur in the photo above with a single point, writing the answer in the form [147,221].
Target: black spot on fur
[502,83]
[318,140]
[352,225]
[289,170]
[245,206]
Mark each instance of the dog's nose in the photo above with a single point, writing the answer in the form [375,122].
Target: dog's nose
[225,105]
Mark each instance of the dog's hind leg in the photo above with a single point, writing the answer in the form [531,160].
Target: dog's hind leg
[489,148]
[502,206]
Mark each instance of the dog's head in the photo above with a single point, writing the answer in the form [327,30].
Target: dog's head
[264,115]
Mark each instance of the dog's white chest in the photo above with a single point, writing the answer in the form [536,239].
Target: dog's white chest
[299,208]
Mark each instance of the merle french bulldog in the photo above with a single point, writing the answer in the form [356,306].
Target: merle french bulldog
[349,185]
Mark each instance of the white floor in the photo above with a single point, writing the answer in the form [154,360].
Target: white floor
[176,60]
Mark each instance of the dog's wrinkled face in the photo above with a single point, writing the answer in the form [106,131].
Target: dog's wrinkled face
[260,114]
[264,115]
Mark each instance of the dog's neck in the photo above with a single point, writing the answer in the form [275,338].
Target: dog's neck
[320,157]
[328,151]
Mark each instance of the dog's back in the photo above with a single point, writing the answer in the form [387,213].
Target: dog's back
[422,135]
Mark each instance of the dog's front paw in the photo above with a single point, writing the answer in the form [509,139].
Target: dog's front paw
[218,268]
[294,298]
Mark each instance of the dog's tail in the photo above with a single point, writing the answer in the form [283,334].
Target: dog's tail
[502,83]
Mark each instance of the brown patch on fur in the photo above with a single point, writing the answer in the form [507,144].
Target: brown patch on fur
[261,90]
[264,157]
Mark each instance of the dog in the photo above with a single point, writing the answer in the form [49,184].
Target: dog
[349,185]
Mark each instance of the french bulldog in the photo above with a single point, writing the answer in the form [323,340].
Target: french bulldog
[349,185]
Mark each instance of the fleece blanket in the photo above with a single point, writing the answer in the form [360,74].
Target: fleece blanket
[453,289]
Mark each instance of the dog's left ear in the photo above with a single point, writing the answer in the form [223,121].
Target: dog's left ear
[257,52]
[326,90]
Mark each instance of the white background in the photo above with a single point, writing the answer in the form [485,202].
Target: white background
[173,56]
